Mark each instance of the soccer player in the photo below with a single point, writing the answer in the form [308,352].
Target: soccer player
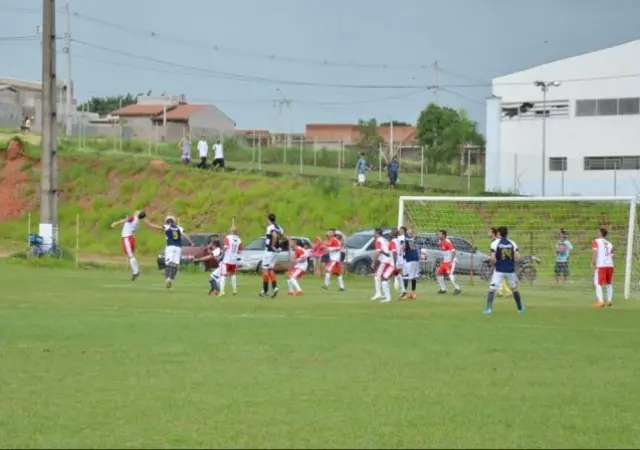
[397,246]
[411,268]
[446,266]
[504,254]
[129,227]
[385,269]
[215,254]
[334,247]
[504,287]
[231,251]
[173,234]
[300,256]
[274,235]
[563,250]
[602,266]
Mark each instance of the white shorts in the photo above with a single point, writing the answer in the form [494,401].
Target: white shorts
[385,271]
[172,255]
[497,277]
[269,260]
[361,178]
[216,273]
[411,270]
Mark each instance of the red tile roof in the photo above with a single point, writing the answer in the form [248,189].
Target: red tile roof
[140,110]
[182,112]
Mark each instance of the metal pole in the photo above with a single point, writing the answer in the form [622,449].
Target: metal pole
[67,50]
[120,128]
[422,166]
[340,157]
[301,155]
[544,138]
[468,169]
[380,163]
[615,179]
[259,155]
[48,177]
[562,182]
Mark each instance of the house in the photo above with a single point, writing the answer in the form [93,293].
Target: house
[255,138]
[330,135]
[169,119]
[568,127]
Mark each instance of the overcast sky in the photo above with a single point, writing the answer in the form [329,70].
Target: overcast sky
[323,55]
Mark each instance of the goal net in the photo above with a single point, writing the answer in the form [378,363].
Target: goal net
[540,226]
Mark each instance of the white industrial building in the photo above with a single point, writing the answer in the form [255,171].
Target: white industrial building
[586,136]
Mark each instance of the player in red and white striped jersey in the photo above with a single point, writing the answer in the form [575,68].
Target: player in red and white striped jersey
[447,265]
[129,227]
[385,270]
[334,266]
[602,266]
[300,256]
[231,249]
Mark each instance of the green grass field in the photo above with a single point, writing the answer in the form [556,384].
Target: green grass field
[90,360]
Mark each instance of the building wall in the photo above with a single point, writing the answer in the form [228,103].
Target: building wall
[10,115]
[520,139]
[212,122]
[8,96]
[143,128]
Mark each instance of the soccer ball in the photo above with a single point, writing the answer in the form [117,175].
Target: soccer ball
[500,293]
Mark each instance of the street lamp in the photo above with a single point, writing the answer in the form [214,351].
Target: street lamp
[544,87]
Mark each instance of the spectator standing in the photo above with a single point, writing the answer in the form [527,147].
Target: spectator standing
[361,170]
[218,155]
[203,152]
[185,150]
[563,251]
[392,171]
[317,250]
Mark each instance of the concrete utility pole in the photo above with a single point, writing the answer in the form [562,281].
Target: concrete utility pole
[67,50]
[544,87]
[49,173]
[436,82]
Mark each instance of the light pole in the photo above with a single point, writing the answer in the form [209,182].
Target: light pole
[544,87]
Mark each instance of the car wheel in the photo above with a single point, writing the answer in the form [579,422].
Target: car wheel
[486,270]
[259,268]
[362,268]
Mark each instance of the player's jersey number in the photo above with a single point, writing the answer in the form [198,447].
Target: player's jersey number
[506,253]
[175,235]
[411,246]
[607,250]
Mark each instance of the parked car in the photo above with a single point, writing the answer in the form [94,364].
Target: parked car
[360,250]
[200,241]
[250,259]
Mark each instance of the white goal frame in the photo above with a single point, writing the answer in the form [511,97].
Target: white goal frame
[631,226]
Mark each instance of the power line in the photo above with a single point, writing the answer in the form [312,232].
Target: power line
[463,97]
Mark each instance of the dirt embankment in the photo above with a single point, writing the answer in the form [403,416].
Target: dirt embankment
[12,180]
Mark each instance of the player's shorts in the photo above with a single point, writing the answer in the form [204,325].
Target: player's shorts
[129,245]
[444,269]
[343,256]
[561,269]
[498,277]
[172,255]
[217,273]
[411,270]
[385,271]
[361,178]
[334,268]
[296,273]
[603,276]
[269,260]
[228,269]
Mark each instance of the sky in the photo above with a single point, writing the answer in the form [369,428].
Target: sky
[330,61]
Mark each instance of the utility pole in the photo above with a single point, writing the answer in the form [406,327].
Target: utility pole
[436,83]
[48,228]
[67,50]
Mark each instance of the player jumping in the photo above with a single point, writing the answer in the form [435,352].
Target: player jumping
[273,236]
[129,227]
[602,266]
[447,265]
[173,234]
[504,254]
[411,268]
[214,253]
[300,256]
[385,269]
[231,251]
[334,267]
[504,287]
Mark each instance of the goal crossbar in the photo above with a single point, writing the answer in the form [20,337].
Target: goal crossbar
[631,228]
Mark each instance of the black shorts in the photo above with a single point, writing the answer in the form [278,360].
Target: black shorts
[561,269]
[325,259]
[218,162]
[343,256]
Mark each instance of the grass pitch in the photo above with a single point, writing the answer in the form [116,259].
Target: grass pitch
[89,359]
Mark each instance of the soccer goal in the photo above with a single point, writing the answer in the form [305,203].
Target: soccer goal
[541,226]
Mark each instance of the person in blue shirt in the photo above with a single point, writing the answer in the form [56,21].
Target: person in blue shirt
[361,170]
[563,250]
[411,267]
[173,234]
[392,170]
[505,255]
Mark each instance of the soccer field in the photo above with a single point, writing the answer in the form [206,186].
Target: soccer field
[89,359]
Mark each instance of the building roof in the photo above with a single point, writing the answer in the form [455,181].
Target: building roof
[256,133]
[4,87]
[141,110]
[21,84]
[181,112]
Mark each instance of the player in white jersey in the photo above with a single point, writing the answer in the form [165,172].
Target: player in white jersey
[334,266]
[602,266]
[300,256]
[274,237]
[129,227]
[214,253]
[385,270]
[398,248]
[232,247]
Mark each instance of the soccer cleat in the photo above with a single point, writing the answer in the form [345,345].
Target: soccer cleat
[442,292]
[521,311]
[291,293]
[325,287]
[235,292]
[403,296]
[609,304]
[487,312]
[134,276]
[263,294]
[341,289]
[274,294]
[299,293]
[221,294]
[376,297]
[385,300]
[457,291]
[598,304]
[167,283]
[413,296]
[213,292]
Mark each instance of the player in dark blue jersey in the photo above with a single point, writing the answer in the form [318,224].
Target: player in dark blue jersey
[505,255]
[273,239]
[174,234]
[411,268]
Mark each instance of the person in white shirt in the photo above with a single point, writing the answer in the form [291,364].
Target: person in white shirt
[602,266]
[129,227]
[218,155]
[203,152]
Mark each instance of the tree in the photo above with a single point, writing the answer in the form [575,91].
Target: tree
[104,105]
[370,139]
[444,131]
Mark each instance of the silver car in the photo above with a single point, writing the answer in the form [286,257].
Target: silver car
[250,259]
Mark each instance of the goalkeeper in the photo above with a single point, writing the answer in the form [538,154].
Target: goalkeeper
[504,287]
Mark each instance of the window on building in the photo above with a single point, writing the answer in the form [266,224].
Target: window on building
[608,107]
[612,163]
[629,106]
[558,164]
[586,108]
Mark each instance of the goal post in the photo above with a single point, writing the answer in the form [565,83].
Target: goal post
[535,224]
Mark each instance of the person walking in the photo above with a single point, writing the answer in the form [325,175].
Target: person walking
[203,152]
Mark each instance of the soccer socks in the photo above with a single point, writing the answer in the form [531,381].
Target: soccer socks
[234,283]
[609,292]
[401,283]
[327,278]
[443,287]
[378,284]
[265,283]
[405,283]
[223,282]
[290,284]
[518,300]
[294,285]
[599,295]
[167,272]
[386,290]
[490,297]
[134,265]
[414,284]
[452,278]
[274,281]
[213,284]
[340,282]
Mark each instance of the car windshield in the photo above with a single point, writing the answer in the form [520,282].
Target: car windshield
[200,240]
[357,241]
[257,244]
